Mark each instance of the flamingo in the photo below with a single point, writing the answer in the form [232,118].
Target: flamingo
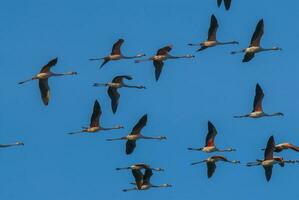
[94,122]
[227,3]
[139,166]
[270,160]
[116,54]
[254,46]
[211,163]
[43,77]
[142,181]
[257,111]
[136,135]
[162,55]
[212,41]
[117,82]
[284,146]
[11,145]
[210,145]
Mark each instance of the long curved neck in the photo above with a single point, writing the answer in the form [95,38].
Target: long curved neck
[242,116]
[273,114]
[112,128]
[131,57]
[160,186]
[226,150]
[270,49]
[133,86]
[9,145]
[195,149]
[240,51]
[64,74]
[224,43]
[123,168]
[152,137]
[195,163]
[176,57]
[251,164]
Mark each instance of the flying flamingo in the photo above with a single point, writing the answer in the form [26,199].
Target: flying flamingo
[142,181]
[162,55]
[226,3]
[43,76]
[284,146]
[210,145]
[136,135]
[270,160]
[94,122]
[212,41]
[117,82]
[211,163]
[11,145]
[257,111]
[254,46]
[116,54]
[139,166]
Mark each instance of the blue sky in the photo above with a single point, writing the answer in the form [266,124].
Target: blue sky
[214,86]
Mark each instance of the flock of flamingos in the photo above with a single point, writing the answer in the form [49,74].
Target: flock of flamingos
[142,179]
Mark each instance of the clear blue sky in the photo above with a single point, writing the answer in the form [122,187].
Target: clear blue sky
[213,86]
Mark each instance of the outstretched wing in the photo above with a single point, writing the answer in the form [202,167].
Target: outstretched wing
[247,57]
[258,33]
[114,96]
[47,67]
[268,172]
[219,3]
[96,114]
[213,29]
[258,99]
[139,126]
[119,79]
[116,47]
[212,132]
[158,68]
[138,177]
[44,90]
[164,51]
[227,4]
[268,155]
[147,176]
[130,146]
[211,166]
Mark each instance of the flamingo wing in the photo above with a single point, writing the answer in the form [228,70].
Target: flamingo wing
[293,147]
[119,79]
[213,29]
[258,99]
[227,4]
[47,67]
[211,167]
[158,68]
[96,114]
[114,96]
[116,47]
[164,50]
[219,3]
[258,33]
[212,132]
[268,172]
[130,146]
[248,57]
[147,176]
[44,90]
[268,155]
[139,126]
[138,177]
